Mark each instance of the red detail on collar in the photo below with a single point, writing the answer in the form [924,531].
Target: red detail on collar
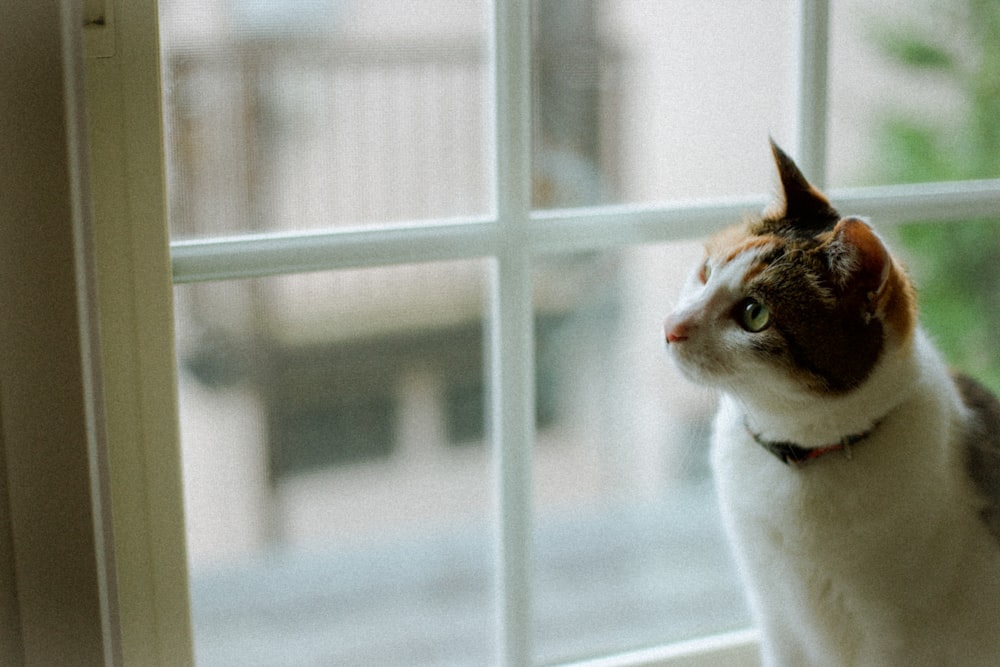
[798,456]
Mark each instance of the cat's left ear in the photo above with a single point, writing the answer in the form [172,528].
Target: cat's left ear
[858,260]
[800,203]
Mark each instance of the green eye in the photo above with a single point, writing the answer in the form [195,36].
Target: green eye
[753,315]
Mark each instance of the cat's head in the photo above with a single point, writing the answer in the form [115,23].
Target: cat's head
[795,300]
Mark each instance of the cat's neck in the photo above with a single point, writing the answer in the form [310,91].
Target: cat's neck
[812,420]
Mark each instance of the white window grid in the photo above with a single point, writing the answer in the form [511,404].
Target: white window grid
[515,234]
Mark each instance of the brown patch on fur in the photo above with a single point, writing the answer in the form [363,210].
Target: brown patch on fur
[734,241]
[869,272]
[899,304]
[730,237]
[755,270]
[827,340]
[752,243]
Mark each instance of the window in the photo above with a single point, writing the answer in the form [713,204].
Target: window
[512,281]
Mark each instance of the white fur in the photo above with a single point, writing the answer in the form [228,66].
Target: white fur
[879,559]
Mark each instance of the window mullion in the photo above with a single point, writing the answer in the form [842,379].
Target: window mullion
[551,231]
[252,256]
[511,328]
[813,74]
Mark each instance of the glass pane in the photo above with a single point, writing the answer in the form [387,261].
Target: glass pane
[629,545]
[639,101]
[956,266]
[299,114]
[913,91]
[338,488]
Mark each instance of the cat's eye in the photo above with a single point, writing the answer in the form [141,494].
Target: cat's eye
[752,315]
[705,272]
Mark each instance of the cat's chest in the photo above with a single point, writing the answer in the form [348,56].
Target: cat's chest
[886,533]
[858,568]
[863,512]
[779,513]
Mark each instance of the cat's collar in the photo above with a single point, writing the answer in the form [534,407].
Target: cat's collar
[798,456]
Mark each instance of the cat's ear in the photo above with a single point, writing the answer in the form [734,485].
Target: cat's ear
[799,203]
[858,260]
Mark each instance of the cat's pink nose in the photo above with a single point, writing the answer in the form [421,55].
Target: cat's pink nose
[675,331]
[675,336]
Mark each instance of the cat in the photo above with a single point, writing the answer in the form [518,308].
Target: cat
[859,480]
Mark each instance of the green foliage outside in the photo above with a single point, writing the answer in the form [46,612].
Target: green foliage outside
[959,276]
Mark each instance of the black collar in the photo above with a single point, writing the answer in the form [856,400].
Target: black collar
[798,456]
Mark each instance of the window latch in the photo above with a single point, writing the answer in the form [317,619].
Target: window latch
[98,28]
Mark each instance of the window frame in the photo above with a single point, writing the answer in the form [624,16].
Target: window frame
[131,253]
[57,584]
[148,620]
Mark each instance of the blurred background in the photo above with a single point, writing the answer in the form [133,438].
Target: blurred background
[339,483]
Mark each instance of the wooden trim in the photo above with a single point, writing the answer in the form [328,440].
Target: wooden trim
[134,280]
[64,610]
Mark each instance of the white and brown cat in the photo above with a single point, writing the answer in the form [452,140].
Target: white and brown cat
[859,479]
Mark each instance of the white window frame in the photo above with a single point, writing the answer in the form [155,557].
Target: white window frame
[126,561]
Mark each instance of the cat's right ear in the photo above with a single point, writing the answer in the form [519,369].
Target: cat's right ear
[858,259]
[799,204]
